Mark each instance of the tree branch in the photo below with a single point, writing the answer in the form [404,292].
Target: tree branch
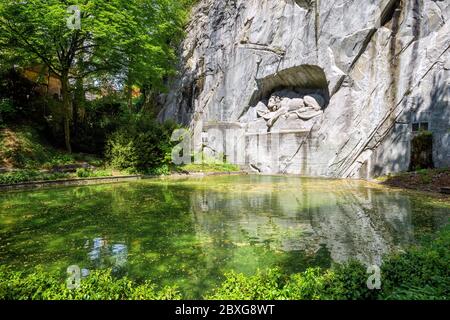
[32,48]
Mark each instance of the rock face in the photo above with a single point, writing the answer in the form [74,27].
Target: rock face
[315,87]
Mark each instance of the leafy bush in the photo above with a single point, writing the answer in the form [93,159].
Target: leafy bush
[266,285]
[97,120]
[141,146]
[99,285]
[16,96]
[419,273]
[6,108]
[89,173]
[272,284]
[312,284]
[34,175]
[30,175]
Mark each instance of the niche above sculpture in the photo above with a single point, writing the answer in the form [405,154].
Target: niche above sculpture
[292,99]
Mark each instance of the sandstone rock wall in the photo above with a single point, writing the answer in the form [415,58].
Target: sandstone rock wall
[380,65]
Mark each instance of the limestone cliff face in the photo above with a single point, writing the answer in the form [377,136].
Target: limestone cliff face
[381,67]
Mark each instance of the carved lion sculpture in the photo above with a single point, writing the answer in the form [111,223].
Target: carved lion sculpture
[306,108]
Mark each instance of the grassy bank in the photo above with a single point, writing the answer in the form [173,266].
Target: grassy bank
[25,156]
[430,180]
[421,272]
[209,167]
[22,147]
[34,175]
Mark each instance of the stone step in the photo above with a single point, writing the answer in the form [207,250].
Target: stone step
[445,190]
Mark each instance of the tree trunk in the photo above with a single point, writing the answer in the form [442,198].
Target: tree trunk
[130,98]
[129,92]
[77,104]
[66,109]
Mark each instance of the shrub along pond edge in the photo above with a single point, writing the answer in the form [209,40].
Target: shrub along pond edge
[68,182]
[419,273]
[104,180]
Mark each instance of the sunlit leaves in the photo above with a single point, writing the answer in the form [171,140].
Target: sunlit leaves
[132,40]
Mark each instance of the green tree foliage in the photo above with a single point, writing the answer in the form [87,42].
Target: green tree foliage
[16,94]
[130,41]
[148,56]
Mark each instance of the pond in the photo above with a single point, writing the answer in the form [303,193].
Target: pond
[190,231]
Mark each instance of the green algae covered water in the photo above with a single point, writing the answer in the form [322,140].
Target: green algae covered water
[190,231]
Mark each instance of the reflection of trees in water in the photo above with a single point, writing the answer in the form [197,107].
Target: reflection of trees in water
[103,254]
[351,221]
[60,221]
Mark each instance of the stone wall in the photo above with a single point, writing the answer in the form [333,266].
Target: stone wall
[380,65]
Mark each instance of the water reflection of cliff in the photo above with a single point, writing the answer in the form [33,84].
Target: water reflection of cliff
[349,219]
